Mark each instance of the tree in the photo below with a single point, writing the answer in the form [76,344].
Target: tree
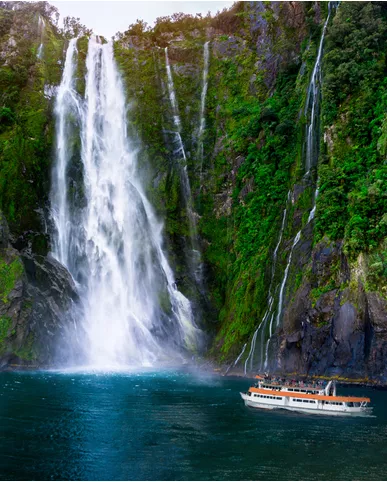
[72,27]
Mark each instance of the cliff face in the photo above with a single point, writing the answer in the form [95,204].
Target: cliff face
[249,194]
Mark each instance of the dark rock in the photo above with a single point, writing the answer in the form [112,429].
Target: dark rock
[41,307]
[377,309]
[4,231]
[345,322]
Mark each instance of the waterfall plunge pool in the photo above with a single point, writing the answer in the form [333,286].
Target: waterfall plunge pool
[174,425]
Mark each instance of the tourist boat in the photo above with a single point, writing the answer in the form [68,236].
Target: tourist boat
[315,397]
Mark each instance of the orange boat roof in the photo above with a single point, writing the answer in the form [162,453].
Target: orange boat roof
[310,396]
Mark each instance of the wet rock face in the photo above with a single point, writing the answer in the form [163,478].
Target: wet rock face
[4,231]
[36,306]
[53,294]
[343,332]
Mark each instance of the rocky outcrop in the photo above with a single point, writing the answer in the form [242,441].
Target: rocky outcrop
[36,306]
[333,326]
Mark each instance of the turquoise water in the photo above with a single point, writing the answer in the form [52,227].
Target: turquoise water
[174,426]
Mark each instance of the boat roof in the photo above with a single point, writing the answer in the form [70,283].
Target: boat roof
[310,396]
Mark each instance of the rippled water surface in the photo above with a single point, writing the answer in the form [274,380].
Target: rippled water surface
[176,426]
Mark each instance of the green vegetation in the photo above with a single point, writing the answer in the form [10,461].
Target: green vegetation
[10,273]
[261,58]
[26,127]
[252,144]
[352,202]
[27,352]
[5,324]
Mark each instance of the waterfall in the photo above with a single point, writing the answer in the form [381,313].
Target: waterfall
[262,326]
[133,313]
[179,153]
[312,112]
[313,210]
[283,284]
[202,124]
[237,359]
[41,29]
[280,298]
[67,111]
[313,103]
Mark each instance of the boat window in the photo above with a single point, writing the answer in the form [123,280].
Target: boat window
[249,394]
[349,404]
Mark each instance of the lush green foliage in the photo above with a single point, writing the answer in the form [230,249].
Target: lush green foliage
[5,324]
[352,202]
[10,273]
[262,55]
[26,130]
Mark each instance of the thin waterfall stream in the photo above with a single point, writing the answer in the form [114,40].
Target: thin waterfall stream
[202,123]
[180,155]
[312,112]
[263,325]
[41,31]
[312,105]
[113,244]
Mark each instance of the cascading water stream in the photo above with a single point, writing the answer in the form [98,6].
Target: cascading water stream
[266,316]
[311,147]
[67,110]
[313,103]
[41,30]
[202,124]
[118,240]
[283,284]
[180,154]
[313,210]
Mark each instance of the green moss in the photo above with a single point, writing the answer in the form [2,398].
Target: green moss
[28,351]
[5,324]
[27,135]
[9,275]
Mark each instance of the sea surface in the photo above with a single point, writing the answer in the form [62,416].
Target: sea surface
[175,425]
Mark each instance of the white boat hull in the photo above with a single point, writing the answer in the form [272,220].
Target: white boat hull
[284,405]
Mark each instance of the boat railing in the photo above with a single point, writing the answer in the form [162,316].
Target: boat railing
[295,384]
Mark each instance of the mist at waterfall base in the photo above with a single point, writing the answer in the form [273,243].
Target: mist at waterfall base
[131,312]
[175,426]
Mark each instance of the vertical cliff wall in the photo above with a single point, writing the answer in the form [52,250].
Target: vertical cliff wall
[294,281]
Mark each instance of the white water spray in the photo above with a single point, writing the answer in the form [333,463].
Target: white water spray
[125,273]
